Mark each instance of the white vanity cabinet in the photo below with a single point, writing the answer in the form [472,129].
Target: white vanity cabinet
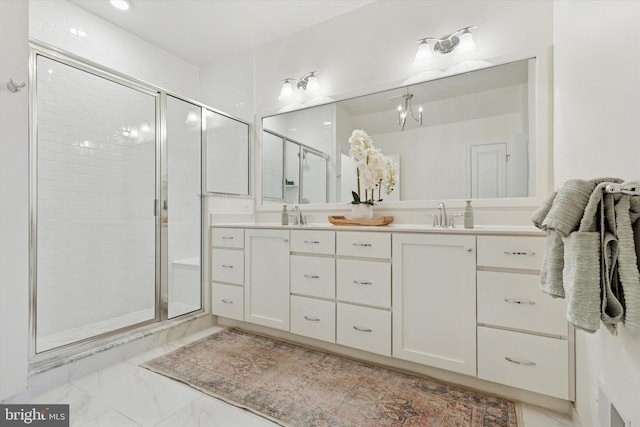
[363,281]
[523,335]
[266,289]
[313,284]
[227,271]
[434,300]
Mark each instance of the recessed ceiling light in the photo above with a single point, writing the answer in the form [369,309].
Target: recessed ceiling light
[121,4]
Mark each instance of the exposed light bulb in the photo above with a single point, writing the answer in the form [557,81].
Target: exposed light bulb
[466,43]
[121,4]
[424,54]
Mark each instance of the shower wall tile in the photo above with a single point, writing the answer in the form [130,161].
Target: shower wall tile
[96,186]
[110,46]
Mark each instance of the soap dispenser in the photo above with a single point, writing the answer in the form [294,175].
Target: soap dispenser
[285,215]
[468,215]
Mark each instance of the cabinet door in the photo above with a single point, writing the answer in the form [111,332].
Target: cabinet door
[434,300]
[267,278]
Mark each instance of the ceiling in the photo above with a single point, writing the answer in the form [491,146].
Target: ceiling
[201,30]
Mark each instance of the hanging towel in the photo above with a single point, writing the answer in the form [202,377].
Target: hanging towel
[591,254]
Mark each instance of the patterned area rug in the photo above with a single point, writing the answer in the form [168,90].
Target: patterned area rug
[296,386]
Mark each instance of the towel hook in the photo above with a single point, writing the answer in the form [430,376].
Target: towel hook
[14,87]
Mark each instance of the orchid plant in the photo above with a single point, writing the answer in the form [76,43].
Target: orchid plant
[374,170]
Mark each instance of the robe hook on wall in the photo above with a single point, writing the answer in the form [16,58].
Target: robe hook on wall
[14,87]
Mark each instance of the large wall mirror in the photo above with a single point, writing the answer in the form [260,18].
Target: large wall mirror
[478,139]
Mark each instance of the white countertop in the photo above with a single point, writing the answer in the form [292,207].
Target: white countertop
[397,228]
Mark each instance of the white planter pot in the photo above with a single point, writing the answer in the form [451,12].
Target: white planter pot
[361,211]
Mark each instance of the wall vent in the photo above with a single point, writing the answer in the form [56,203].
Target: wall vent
[608,414]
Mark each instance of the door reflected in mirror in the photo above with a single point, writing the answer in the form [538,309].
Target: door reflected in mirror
[476,139]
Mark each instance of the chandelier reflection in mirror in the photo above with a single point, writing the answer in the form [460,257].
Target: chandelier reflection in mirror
[461,41]
[403,111]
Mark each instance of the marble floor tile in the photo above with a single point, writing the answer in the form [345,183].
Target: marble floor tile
[110,419]
[145,397]
[210,412]
[103,376]
[82,407]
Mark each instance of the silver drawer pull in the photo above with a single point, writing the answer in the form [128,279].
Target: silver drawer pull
[520,361]
[362,282]
[227,301]
[227,266]
[311,276]
[312,319]
[363,245]
[519,301]
[227,237]
[519,253]
[358,328]
[312,242]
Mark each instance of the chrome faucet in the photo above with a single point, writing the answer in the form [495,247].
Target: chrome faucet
[299,217]
[443,219]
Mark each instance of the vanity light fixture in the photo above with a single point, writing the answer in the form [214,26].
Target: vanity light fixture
[461,40]
[307,84]
[408,109]
[122,4]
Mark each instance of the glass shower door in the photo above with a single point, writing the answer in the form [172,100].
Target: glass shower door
[93,193]
[183,206]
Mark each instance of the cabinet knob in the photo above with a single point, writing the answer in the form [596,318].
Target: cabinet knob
[361,329]
[519,301]
[312,319]
[517,361]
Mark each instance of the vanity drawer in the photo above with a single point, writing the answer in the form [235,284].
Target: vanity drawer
[227,266]
[227,301]
[514,301]
[364,328]
[313,276]
[313,241]
[530,362]
[364,282]
[363,244]
[511,251]
[227,237]
[313,318]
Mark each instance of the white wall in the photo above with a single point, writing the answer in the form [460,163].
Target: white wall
[110,46]
[597,133]
[369,48]
[14,200]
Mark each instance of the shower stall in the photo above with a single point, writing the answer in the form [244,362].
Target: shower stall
[117,177]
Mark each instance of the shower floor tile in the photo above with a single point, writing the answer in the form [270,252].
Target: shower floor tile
[125,395]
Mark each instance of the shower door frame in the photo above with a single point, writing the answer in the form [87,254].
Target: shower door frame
[55,356]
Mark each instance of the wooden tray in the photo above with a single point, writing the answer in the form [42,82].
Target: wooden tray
[342,220]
